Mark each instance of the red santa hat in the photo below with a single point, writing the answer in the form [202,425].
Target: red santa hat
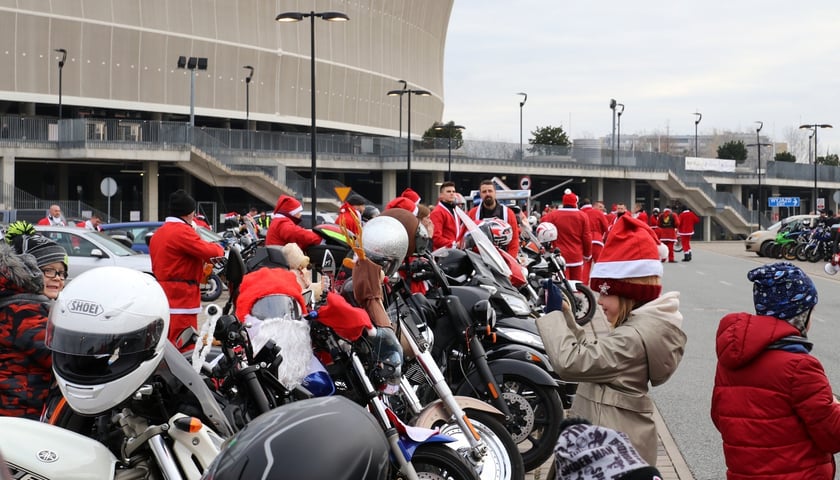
[569,198]
[630,251]
[231,216]
[288,206]
[411,195]
[403,202]
[264,282]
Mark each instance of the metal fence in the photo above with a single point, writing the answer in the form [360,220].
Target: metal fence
[231,146]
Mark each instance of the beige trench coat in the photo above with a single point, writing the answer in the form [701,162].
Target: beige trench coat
[614,370]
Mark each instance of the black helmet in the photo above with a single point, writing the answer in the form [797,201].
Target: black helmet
[370,212]
[289,442]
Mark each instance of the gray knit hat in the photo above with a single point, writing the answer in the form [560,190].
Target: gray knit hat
[44,250]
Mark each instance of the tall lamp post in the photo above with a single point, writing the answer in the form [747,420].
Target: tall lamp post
[613,104]
[449,127]
[296,17]
[400,93]
[521,104]
[696,122]
[758,146]
[618,137]
[815,126]
[248,93]
[192,64]
[61,61]
[409,92]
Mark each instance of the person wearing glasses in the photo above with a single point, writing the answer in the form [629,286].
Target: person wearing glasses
[25,361]
[50,257]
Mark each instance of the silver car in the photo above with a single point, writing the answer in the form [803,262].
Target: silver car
[87,249]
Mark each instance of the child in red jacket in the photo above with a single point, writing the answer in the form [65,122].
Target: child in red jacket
[772,402]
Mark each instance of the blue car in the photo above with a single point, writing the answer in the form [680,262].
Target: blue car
[138,231]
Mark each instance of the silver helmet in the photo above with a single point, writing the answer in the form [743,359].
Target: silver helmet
[385,243]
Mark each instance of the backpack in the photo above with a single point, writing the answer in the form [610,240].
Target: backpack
[666,220]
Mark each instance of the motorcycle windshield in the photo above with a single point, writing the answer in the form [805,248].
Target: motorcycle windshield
[486,248]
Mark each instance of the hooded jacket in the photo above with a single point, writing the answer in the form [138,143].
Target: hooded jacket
[25,361]
[614,371]
[773,407]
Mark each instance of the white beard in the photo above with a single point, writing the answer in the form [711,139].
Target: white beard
[292,336]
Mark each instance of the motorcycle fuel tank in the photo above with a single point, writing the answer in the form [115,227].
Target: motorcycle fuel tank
[38,450]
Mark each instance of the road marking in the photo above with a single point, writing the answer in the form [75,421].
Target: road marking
[724,282]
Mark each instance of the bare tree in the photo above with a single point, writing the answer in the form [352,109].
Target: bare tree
[797,141]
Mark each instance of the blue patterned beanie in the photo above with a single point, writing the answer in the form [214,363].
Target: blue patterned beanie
[782,290]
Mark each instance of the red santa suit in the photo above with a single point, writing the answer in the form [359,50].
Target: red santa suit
[284,226]
[178,256]
[598,227]
[685,229]
[667,231]
[507,215]
[574,235]
[349,217]
[447,231]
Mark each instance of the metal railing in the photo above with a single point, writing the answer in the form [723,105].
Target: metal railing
[232,147]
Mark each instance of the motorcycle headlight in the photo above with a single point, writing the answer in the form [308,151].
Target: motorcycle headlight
[482,311]
[520,336]
[517,304]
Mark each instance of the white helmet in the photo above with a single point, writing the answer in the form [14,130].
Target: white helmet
[546,232]
[107,331]
[385,242]
[497,230]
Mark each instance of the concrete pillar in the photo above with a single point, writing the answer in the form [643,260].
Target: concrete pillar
[151,208]
[7,176]
[632,201]
[389,185]
[707,229]
[597,189]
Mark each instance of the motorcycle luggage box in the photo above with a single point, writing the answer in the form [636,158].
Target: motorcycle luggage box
[39,450]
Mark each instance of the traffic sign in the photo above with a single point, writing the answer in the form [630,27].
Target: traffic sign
[525,182]
[342,192]
[783,202]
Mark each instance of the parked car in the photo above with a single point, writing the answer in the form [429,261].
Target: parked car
[758,238]
[138,231]
[87,249]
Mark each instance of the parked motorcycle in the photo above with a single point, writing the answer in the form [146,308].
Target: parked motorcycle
[462,319]
[127,394]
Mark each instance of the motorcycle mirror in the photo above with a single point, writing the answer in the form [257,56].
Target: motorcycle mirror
[235,267]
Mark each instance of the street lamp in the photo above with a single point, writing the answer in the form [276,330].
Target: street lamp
[521,104]
[613,104]
[815,126]
[758,146]
[192,64]
[409,92]
[296,17]
[248,93]
[696,122]
[400,93]
[618,138]
[61,61]
[449,127]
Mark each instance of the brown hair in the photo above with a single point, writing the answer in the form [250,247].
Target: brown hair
[446,184]
[423,211]
[627,305]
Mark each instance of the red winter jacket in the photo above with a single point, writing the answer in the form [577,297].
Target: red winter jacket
[574,236]
[283,230]
[774,408]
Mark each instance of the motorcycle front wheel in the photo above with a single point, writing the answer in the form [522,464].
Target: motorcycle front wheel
[502,460]
[436,461]
[586,304]
[537,412]
[211,290]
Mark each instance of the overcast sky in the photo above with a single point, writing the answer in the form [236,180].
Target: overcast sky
[734,61]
